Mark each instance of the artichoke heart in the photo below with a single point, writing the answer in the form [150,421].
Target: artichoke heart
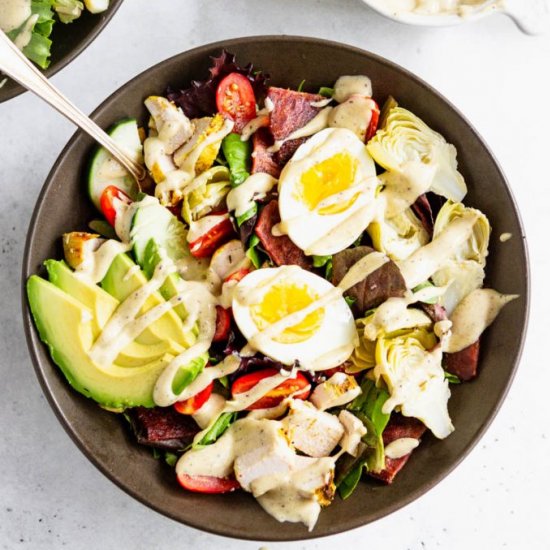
[477,246]
[406,139]
[464,271]
[205,192]
[398,237]
[415,378]
[363,356]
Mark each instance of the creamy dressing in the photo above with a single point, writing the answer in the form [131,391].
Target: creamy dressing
[124,322]
[423,263]
[287,486]
[354,114]
[13,13]
[25,34]
[349,85]
[401,447]
[205,303]
[262,119]
[242,198]
[316,124]
[394,314]
[98,259]
[403,187]
[473,315]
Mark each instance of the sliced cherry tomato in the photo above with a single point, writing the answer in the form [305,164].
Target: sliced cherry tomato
[238,275]
[106,202]
[235,100]
[193,404]
[223,324]
[206,244]
[276,395]
[373,124]
[208,484]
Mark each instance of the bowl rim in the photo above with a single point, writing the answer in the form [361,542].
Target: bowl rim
[33,341]
[103,19]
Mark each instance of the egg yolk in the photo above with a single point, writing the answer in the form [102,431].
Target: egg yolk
[326,179]
[285,299]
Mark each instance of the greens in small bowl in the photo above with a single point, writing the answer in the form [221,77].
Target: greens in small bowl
[51,32]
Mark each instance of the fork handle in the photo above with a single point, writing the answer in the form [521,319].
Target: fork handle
[18,67]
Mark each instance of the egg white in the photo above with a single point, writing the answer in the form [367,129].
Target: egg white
[325,234]
[327,347]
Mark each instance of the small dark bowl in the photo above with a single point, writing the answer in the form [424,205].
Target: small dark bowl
[67,42]
[63,206]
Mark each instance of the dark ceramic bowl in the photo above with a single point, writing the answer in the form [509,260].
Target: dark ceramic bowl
[63,206]
[67,42]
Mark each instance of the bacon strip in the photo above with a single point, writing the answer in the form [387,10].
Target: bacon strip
[162,427]
[463,363]
[262,159]
[292,110]
[398,427]
[281,250]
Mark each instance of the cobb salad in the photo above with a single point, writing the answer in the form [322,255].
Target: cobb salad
[29,23]
[283,310]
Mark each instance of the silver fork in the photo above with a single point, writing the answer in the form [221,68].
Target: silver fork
[18,67]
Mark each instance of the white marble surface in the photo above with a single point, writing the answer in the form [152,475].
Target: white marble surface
[51,496]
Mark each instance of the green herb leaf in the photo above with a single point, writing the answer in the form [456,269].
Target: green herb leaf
[250,213]
[426,284]
[326,92]
[368,408]
[349,483]
[301,86]
[104,228]
[219,427]
[188,373]
[452,378]
[171,458]
[321,261]
[238,154]
[350,300]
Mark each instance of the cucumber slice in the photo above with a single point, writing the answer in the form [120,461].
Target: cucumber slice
[152,221]
[105,171]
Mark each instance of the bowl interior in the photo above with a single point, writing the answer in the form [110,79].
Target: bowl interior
[67,42]
[103,437]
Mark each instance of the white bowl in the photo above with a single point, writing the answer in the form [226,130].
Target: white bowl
[531,16]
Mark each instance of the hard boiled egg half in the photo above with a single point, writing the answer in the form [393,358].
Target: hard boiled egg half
[290,314]
[327,192]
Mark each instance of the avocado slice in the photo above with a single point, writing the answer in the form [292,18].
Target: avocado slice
[65,326]
[121,280]
[101,304]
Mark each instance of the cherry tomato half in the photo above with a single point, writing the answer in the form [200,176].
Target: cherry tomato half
[373,124]
[193,404]
[276,395]
[235,100]
[207,244]
[106,202]
[223,324]
[208,484]
[238,275]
